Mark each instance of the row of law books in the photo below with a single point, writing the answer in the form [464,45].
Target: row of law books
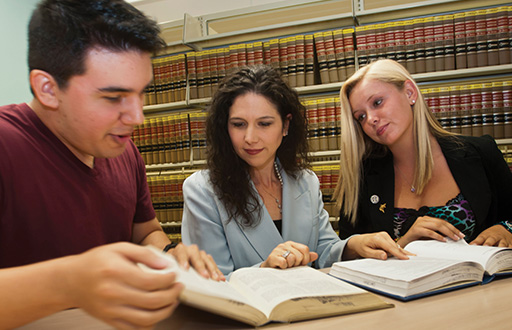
[323,117]
[174,138]
[167,196]
[328,177]
[473,109]
[442,42]
[169,80]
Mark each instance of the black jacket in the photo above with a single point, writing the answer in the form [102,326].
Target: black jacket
[478,167]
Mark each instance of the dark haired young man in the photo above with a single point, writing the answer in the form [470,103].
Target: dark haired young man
[73,190]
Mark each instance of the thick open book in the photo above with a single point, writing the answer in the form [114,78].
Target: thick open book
[260,295]
[437,267]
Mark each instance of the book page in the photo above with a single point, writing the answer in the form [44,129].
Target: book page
[406,277]
[196,283]
[267,287]
[454,250]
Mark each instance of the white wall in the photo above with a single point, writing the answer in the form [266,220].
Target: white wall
[14,16]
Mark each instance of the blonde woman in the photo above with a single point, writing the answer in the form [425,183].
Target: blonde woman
[402,173]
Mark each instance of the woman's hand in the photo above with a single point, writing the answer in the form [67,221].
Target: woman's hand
[376,245]
[202,262]
[289,254]
[496,235]
[430,228]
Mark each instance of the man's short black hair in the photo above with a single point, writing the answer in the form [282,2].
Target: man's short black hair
[61,32]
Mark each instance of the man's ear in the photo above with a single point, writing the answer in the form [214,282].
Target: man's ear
[45,88]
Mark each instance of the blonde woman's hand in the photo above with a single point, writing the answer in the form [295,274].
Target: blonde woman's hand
[430,228]
[289,254]
[496,235]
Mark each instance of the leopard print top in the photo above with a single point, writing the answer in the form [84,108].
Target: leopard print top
[456,211]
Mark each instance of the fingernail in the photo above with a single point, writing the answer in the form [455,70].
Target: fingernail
[215,276]
[205,273]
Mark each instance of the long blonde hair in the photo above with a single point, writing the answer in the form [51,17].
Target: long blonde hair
[357,146]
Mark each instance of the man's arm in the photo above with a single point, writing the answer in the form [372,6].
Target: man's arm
[150,232]
[105,281]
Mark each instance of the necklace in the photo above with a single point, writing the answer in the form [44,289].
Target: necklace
[413,189]
[279,206]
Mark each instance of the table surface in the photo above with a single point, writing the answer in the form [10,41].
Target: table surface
[477,307]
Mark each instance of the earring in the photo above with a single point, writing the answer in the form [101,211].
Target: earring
[413,101]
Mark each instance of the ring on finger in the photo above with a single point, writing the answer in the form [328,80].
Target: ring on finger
[286,254]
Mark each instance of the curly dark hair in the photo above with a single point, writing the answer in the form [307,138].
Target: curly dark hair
[61,32]
[228,172]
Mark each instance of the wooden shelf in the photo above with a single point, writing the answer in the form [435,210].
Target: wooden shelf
[421,78]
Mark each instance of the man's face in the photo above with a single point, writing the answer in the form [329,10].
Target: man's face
[99,109]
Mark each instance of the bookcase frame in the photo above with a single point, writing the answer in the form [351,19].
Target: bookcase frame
[285,18]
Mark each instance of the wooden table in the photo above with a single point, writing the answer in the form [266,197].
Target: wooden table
[480,307]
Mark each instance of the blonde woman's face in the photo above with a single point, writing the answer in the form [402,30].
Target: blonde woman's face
[256,129]
[383,111]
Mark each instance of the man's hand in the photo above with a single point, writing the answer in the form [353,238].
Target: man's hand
[107,283]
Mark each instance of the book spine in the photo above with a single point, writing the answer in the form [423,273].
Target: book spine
[460,41]
[330,56]
[361,45]
[430,64]
[481,38]
[291,44]
[465,108]
[312,117]
[399,36]
[497,109]
[321,56]
[487,110]
[470,27]
[455,108]
[300,60]
[339,52]
[410,46]
[449,41]
[258,53]
[439,50]
[419,45]
[476,109]
[349,51]
[507,109]
[309,59]
[503,35]
[491,25]
[214,70]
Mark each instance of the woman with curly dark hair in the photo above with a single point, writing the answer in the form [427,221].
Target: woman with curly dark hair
[258,204]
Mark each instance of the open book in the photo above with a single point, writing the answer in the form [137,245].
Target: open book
[260,295]
[437,267]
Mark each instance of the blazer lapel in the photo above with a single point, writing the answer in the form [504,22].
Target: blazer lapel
[298,213]
[264,237]
[380,193]
[466,167]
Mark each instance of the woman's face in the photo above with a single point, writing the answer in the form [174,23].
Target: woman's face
[256,129]
[383,110]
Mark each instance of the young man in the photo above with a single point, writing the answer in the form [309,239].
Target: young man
[72,183]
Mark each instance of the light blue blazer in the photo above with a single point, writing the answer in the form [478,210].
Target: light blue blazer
[205,223]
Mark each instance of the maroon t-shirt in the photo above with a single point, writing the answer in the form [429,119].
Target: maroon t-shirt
[52,204]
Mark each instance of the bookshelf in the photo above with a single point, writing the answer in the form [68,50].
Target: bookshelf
[323,21]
